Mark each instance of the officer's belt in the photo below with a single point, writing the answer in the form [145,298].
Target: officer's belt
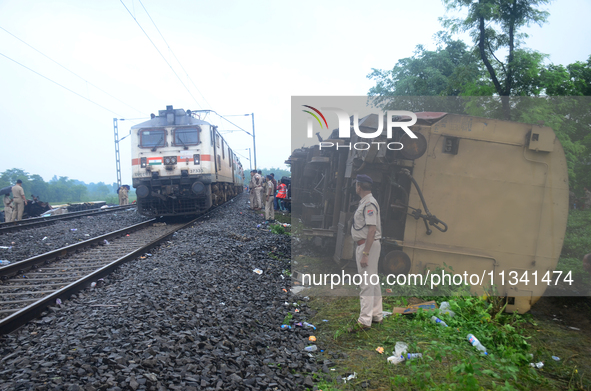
[360,242]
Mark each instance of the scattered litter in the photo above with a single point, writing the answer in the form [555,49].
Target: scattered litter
[4,262]
[6,247]
[306,298]
[538,365]
[258,226]
[395,359]
[574,328]
[332,369]
[445,309]
[400,348]
[476,343]
[311,348]
[93,285]
[380,350]
[284,290]
[86,235]
[306,324]
[411,309]
[436,320]
[283,278]
[385,314]
[258,271]
[127,235]
[73,229]
[555,358]
[297,310]
[312,338]
[325,320]
[58,301]
[106,241]
[222,303]
[285,327]
[44,238]
[148,254]
[388,290]
[412,356]
[350,377]
[299,324]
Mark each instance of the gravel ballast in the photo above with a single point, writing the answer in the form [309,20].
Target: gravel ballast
[35,241]
[191,316]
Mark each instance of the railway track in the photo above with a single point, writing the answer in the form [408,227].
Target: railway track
[40,221]
[28,287]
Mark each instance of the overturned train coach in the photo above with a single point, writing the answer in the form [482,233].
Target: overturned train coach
[483,196]
[181,165]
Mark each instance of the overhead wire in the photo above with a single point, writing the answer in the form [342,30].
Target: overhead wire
[69,70]
[159,52]
[171,51]
[65,88]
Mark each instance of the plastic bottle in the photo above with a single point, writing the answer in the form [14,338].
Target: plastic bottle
[476,343]
[4,262]
[311,348]
[435,319]
[411,356]
[285,327]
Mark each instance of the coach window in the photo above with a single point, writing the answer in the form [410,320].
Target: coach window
[152,138]
[231,157]
[186,136]
[223,148]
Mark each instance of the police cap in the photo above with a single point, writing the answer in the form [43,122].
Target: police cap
[364,178]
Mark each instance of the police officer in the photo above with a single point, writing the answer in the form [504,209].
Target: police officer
[258,191]
[7,208]
[367,232]
[269,196]
[123,195]
[18,201]
[251,190]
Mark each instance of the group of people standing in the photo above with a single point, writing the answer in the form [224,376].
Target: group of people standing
[266,193]
[14,207]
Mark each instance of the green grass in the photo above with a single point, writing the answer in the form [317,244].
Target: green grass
[449,361]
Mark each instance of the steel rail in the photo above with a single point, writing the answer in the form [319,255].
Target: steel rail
[38,221]
[22,316]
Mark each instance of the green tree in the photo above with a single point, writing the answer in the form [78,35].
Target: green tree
[494,26]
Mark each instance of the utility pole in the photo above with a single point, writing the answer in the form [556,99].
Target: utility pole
[254,146]
[117,157]
[249,159]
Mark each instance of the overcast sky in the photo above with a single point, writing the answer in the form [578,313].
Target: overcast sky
[241,57]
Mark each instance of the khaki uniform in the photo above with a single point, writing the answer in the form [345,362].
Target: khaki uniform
[18,203]
[123,196]
[252,191]
[258,190]
[368,213]
[7,209]
[269,209]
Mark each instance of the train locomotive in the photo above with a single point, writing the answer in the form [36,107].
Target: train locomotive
[181,165]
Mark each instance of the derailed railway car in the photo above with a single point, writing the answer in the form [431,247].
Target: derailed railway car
[181,165]
[484,196]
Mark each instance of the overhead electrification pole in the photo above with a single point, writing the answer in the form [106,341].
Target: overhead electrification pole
[254,145]
[117,157]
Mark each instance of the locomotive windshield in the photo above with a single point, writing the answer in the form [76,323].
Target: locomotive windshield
[186,136]
[152,138]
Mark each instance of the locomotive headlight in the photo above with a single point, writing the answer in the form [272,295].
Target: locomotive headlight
[196,158]
[143,162]
[169,160]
